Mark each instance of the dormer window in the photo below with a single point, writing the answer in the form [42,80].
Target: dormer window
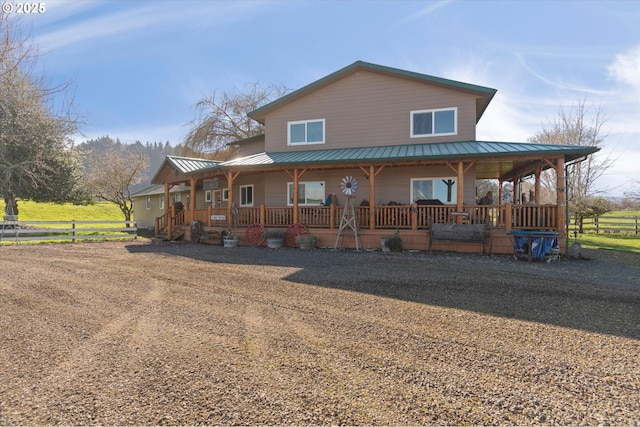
[434,122]
[306,132]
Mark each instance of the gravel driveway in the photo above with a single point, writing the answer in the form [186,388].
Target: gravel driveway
[138,333]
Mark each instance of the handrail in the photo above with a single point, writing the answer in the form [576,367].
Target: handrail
[538,217]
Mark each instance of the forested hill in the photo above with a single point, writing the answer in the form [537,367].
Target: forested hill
[156,151]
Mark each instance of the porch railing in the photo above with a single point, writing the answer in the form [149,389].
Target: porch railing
[508,216]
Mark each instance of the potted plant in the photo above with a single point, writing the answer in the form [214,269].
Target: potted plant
[304,241]
[383,243]
[230,240]
[394,243]
[275,238]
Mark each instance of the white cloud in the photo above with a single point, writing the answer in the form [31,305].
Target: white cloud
[141,18]
[626,68]
[427,10]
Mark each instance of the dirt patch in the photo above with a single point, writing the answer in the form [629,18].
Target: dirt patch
[140,333]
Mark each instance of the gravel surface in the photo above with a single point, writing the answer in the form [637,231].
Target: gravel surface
[135,333]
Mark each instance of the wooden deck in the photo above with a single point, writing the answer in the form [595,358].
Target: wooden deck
[412,221]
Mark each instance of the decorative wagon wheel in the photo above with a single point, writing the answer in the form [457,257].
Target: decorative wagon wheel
[255,234]
[293,231]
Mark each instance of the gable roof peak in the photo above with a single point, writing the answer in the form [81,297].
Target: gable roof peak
[484,94]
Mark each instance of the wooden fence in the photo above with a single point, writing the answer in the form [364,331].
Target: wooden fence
[19,231]
[612,224]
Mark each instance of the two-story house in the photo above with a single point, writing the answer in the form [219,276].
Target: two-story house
[406,140]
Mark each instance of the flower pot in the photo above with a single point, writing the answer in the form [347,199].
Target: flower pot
[275,243]
[231,241]
[306,242]
[383,244]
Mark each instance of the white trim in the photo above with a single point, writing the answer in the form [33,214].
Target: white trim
[322,183]
[207,196]
[305,122]
[433,124]
[433,196]
[252,195]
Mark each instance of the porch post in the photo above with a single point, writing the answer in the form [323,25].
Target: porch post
[561,195]
[459,195]
[295,195]
[192,196]
[537,188]
[372,198]
[166,197]
[230,201]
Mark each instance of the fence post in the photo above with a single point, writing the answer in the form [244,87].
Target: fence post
[73,230]
[635,218]
[595,221]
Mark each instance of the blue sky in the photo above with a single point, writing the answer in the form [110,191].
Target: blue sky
[140,66]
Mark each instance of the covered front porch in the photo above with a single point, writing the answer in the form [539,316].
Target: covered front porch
[382,169]
[411,221]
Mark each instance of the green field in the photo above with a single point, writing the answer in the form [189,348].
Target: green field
[618,237]
[33,211]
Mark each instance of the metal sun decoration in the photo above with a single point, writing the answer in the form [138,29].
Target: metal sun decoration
[348,185]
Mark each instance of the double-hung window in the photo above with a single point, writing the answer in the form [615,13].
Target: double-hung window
[246,195]
[434,122]
[306,132]
[444,189]
[309,193]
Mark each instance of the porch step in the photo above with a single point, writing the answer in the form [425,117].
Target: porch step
[178,234]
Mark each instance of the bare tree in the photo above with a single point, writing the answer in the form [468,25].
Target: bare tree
[634,192]
[110,174]
[34,136]
[222,119]
[577,126]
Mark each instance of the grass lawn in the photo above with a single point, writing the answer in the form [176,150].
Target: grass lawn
[627,241]
[617,242]
[34,211]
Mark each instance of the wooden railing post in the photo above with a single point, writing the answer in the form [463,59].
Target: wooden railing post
[332,215]
[414,216]
[508,211]
[263,215]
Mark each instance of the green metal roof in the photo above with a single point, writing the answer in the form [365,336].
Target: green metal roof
[185,165]
[158,189]
[408,152]
[485,93]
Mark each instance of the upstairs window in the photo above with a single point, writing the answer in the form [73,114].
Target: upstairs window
[434,122]
[306,132]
